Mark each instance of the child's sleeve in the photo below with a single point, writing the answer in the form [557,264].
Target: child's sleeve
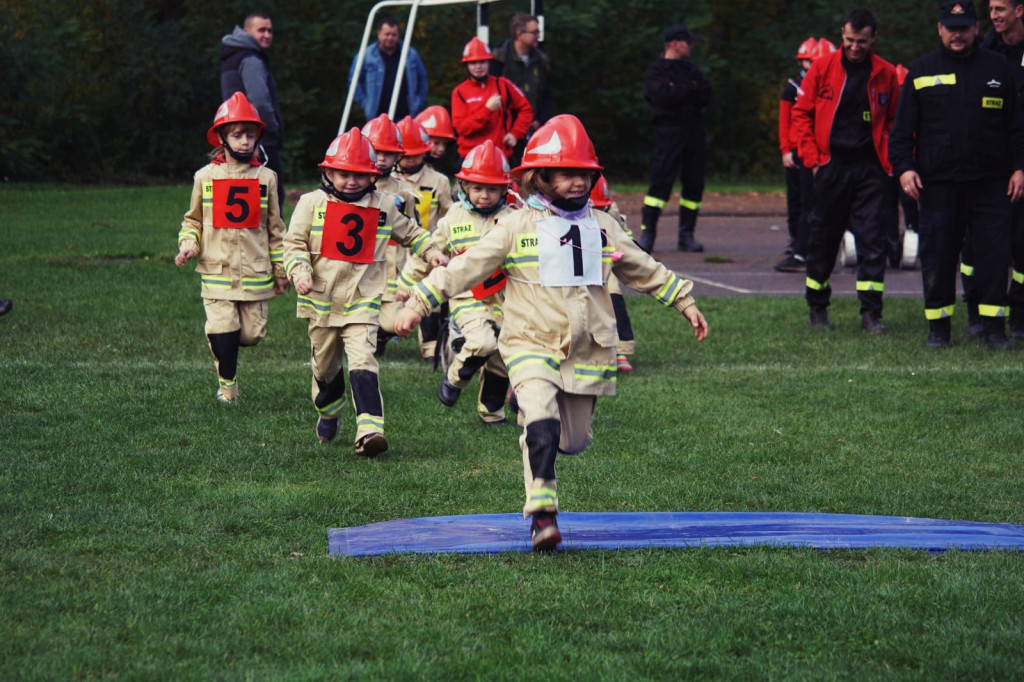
[417,268]
[409,234]
[444,196]
[638,270]
[191,234]
[297,260]
[275,228]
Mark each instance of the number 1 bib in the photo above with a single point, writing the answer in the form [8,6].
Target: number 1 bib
[569,252]
[350,232]
[236,203]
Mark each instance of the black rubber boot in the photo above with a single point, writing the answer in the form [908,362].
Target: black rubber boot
[648,228]
[938,333]
[687,225]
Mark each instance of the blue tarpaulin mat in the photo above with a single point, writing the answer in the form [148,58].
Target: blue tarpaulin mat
[492,533]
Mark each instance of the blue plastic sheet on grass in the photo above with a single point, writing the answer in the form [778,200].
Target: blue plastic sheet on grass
[492,533]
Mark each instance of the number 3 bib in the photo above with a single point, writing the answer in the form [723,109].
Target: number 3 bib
[350,232]
[236,203]
[569,252]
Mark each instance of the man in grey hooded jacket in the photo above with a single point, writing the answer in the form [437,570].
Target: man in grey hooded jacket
[244,68]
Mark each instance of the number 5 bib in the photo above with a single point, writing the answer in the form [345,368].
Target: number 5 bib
[236,203]
[350,232]
[569,252]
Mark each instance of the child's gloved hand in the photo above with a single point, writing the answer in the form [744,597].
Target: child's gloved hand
[304,285]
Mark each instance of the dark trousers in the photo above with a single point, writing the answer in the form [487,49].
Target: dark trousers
[274,164]
[849,195]
[681,151]
[799,206]
[946,211]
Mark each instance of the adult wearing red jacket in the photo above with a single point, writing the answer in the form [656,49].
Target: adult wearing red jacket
[486,107]
[842,122]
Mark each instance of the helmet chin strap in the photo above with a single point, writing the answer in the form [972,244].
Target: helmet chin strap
[328,187]
[244,157]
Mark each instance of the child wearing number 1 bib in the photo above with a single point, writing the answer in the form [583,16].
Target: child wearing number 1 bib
[234,227]
[558,338]
[334,253]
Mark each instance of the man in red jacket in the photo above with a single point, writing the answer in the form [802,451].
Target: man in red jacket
[486,107]
[842,122]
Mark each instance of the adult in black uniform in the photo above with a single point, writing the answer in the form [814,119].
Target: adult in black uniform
[958,147]
[677,91]
[244,68]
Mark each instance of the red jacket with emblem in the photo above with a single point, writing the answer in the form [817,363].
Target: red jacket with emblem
[815,109]
[475,123]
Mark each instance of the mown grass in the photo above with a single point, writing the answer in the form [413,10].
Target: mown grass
[147,532]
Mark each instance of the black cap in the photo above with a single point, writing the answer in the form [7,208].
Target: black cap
[679,32]
[958,13]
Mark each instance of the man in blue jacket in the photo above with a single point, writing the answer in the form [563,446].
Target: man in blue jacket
[376,79]
[244,68]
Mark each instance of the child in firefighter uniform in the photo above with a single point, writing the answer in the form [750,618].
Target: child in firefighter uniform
[558,334]
[601,198]
[483,182]
[234,227]
[334,254]
[438,124]
[433,195]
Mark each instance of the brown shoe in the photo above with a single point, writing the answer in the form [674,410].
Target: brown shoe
[871,322]
[371,445]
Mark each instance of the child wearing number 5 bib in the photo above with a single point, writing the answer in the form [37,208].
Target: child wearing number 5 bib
[234,227]
[558,338]
[335,256]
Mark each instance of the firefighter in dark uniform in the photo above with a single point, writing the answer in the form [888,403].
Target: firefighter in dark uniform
[842,121]
[958,147]
[677,91]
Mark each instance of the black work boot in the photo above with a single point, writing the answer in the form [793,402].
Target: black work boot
[938,333]
[871,322]
[975,325]
[1017,322]
[648,228]
[687,225]
[819,317]
[995,333]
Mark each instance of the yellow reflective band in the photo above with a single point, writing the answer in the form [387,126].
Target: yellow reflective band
[867,117]
[692,205]
[549,361]
[1018,277]
[227,383]
[361,305]
[216,282]
[257,283]
[543,497]
[815,285]
[866,285]
[318,219]
[966,270]
[207,191]
[991,102]
[190,233]
[332,409]
[318,306]
[596,372]
[938,313]
[993,310]
[371,422]
[295,261]
[654,202]
[667,294]
[922,82]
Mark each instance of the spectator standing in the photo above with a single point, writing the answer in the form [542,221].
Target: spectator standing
[486,107]
[842,121]
[520,60]
[376,81]
[799,178]
[677,92]
[958,147]
[245,68]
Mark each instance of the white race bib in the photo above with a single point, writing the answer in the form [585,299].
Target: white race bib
[569,252]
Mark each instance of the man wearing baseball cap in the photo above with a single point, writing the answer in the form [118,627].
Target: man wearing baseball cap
[677,92]
[958,147]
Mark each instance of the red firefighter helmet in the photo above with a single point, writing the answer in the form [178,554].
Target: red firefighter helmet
[383,135]
[437,122]
[806,49]
[562,142]
[353,152]
[485,164]
[476,50]
[235,109]
[414,137]
[601,195]
[824,48]
[901,74]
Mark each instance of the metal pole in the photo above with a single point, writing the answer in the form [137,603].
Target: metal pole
[537,10]
[400,76]
[483,29]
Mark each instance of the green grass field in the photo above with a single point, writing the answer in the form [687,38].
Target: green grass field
[150,533]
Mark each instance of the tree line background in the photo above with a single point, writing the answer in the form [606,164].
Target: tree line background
[124,90]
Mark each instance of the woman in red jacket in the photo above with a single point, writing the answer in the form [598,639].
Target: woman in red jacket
[486,107]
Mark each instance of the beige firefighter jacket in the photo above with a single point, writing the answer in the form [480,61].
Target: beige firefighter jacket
[565,335]
[235,264]
[395,254]
[460,229]
[345,292]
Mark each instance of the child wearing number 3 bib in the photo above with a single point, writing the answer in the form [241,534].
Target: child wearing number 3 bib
[234,226]
[558,338]
[335,255]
